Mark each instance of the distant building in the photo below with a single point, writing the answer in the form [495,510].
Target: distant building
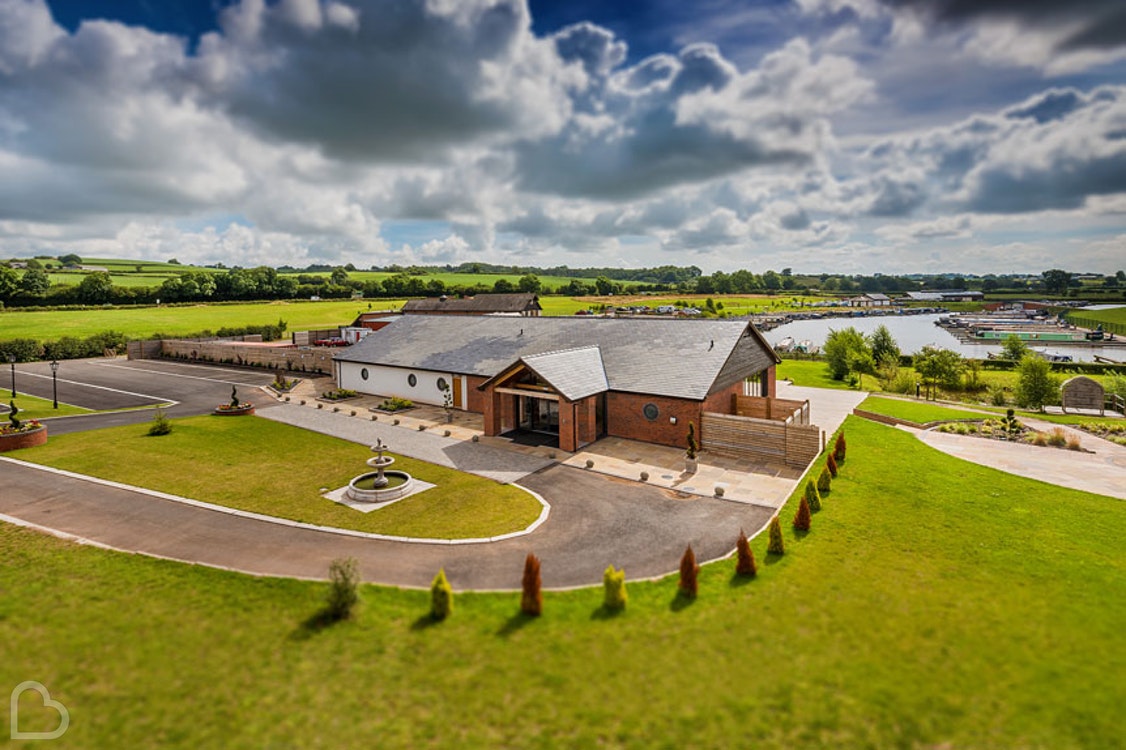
[870,300]
[946,295]
[524,305]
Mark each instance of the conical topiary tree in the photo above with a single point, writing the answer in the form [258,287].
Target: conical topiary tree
[441,596]
[831,465]
[824,481]
[689,574]
[744,557]
[693,445]
[614,588]
[531,600]
[802,517]
[776,546]
[812,497]
[839,448]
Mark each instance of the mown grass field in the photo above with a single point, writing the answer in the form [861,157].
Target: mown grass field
[935,603]
[143,322]
[248,463]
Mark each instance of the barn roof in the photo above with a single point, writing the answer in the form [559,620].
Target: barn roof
[679,358]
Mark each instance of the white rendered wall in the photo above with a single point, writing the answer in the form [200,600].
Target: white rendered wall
[394,381]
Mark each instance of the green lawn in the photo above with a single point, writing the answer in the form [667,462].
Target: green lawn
[142,322]
[266,467]
[33,407]
[919,412]
[815,373]
[935,603]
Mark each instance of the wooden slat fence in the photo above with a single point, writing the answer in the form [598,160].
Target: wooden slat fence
[760,439]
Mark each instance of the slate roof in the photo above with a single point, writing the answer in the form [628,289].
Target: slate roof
[480,304]
[662,357]
[574,373]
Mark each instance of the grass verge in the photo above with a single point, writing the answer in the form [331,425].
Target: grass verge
[934,603]
[33,407]
[919,412]
[266,467]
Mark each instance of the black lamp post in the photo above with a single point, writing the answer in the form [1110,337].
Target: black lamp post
[55,381]
[12,362]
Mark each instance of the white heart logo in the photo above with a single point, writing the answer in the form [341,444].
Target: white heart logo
[64,715]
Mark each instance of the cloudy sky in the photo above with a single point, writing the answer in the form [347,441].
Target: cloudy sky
[975,136]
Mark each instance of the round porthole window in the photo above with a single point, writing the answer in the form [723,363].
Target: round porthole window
[650,411]
[364,373]
[412,381]
[442,384]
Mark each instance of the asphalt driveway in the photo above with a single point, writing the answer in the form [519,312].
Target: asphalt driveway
[595,521]
[115,384]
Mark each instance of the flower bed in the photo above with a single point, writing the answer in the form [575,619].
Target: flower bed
[340,394]
[1010,430]
[28,435]
[394,404]
[230,410]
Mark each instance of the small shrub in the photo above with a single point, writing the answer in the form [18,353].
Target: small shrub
[744,557]
[441,596]
[824,481]
[812,497]
[353,413]
[997,396]
[161,424]
[1073,443]
[421,428]
[446,433]
[776,546]
[689,574]
[839,449]
[614,588]
[1039,439]
[531,598]
[831,464]
[344,579]
[1057,438]
[396,404]
[589,464]
[802,518]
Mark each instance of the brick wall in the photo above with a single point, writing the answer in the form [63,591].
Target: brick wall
[625,418]
[283,357]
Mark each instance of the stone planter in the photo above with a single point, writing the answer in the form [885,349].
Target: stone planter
[690,465]
[26,439]
[242,411]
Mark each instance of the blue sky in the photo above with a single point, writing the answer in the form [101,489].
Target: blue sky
[822,135]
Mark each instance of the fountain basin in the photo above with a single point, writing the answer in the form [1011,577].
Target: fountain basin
[361,490]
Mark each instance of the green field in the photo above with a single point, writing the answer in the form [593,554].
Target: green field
[239,463]
[935,603]
[1113,319]
[143,322]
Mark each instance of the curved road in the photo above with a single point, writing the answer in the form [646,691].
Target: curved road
[595,521]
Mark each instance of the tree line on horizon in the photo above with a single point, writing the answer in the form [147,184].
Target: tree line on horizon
[32,287]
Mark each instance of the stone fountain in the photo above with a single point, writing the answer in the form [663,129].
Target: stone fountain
[380,485]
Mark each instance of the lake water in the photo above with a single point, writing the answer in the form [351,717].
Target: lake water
[913,332]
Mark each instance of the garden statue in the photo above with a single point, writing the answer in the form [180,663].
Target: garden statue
[234,397]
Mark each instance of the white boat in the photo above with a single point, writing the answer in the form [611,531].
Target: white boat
[805,347]
[785,345]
